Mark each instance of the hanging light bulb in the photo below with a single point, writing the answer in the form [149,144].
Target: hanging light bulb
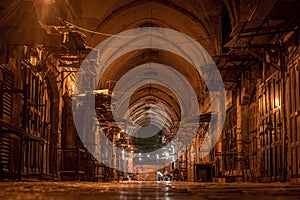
[66,37]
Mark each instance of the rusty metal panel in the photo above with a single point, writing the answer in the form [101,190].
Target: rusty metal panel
[7,100]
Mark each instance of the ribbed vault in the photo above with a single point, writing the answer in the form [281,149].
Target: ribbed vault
[72,28]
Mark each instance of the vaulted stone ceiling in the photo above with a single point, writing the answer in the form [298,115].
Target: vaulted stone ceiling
[86,23]
[44,22]
[96,21]
[198,19]
[28,21]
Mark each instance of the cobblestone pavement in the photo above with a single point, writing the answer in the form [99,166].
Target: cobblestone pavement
[145,190]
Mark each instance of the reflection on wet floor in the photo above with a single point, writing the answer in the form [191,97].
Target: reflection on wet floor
[146,191]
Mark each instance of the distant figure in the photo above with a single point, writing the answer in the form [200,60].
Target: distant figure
[166,175]
[159,176]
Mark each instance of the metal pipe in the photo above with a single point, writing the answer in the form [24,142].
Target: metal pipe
[285,136]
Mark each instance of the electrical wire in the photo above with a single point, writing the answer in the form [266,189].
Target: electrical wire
[94,32]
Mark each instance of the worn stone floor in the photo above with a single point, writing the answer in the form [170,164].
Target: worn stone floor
[146,190]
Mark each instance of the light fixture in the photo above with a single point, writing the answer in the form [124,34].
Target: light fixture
[80,95]
[102,91]
[65,37]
